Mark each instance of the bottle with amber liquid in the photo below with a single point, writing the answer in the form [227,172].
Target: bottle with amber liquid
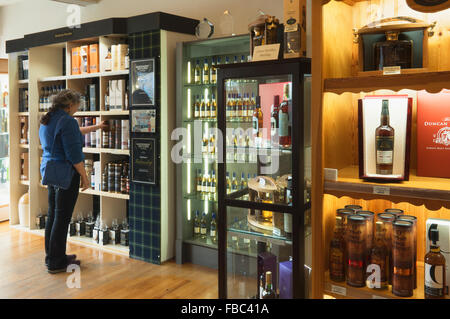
[274,118]
[257,120]
[380,256]
[434,269]
[284,129]
[268,292]
[384,143]
[393,52]
[337,255]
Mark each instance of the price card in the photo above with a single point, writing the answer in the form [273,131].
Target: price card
[378,297]
[339,290]
[392,70]
[381,190]
[266,52]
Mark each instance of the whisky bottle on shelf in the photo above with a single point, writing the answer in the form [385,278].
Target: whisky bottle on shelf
[197,107]
[384,143]
[228,182]
[213,106]
[213,229]
[205,72]
[208,109]
[434,269]
[274,118]
[203,228]
[240,114]
[233,106]
[283,119]
[380,256]
[108,61]
[197,225]
[199,181]
[234,183]
[337,248]
[229,105]
[269,292]
[257,122]
[213,72]
[197,73]
[202,108]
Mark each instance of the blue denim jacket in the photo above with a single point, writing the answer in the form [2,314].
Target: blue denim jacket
[68,143]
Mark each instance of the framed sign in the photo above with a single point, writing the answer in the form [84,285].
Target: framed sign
[143,121]
[143,161]
[142,82]
[429,5]
[384,137]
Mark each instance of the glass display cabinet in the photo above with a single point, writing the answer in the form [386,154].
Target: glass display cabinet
[197,63]
[264,174]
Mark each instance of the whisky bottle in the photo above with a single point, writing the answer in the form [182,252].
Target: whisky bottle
[199,181]
[234,183]
[434,269]
[108,61]
[393,52]
[203,108]
[203,228]
[239,108]
[257,120]
[197,225]
[243,183]
[337,248]
[274,118]
[213,106]
[228,181]
[197,73]
[213,183]
[245,108]
[213,72]
[283,119]
[213,229]
[205,72]
[212,145]
[208,109]
[384,143]
[229,106]
[380,256]
[269,292]
[197,107]
[233,106]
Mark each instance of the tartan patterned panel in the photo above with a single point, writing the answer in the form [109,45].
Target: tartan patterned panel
[145,200]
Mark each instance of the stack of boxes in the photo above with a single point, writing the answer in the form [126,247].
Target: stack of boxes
[85,59]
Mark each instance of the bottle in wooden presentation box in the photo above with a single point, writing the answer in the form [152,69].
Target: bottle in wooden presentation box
[384,143]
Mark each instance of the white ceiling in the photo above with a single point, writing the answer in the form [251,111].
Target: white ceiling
[7,2]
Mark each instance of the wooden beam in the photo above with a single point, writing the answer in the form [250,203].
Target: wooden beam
[3,66]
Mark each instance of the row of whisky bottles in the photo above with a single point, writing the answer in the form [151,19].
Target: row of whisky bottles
[207,74]
[45,98]
[389,257]
[206,183]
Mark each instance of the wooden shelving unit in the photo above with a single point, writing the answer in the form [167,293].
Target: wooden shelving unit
[335,131]
[45,69]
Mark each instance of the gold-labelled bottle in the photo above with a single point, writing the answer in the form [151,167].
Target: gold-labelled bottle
[402,259]
[384,143]
[268,292]
[337,252]
[257,118]
[197,73]
[213,72]
[380,256]
[213,106]
[205,72]
[434,269]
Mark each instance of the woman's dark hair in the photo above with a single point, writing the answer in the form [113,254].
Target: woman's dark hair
[61,101]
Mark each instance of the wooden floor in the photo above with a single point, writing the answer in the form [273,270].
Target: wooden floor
[103,275]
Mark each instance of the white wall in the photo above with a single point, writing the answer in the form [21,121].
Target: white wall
[31,16]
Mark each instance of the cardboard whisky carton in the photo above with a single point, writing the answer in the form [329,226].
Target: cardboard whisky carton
[433,134]
[120,94]
[84,58]
[76,61]
[294,28]
[122,52]
[112,94]
[115,57]
[94,62]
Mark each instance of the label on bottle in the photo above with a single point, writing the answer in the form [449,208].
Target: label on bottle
[203,231]
[255,125]
[196,230]
[273,126]
[283,124]
[212,233]
[385,149]
[434,280]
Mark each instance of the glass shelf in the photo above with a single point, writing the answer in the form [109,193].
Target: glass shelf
[193,85]
[243,229]
[195,196]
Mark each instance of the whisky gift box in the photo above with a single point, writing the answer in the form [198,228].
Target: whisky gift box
[40,222]
[84,59]
[433,134]
[89,229]
[76,61]
[93,97]
[443,226]
[124,234]
[94,66]
[384,130]
[285,279]
[294,28]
